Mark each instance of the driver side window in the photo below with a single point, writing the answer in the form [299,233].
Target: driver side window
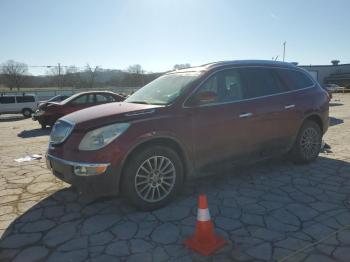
[226,85]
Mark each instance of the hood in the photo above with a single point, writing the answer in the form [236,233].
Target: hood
[43,105]
[108,113]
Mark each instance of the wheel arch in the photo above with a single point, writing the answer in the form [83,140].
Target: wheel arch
[315,118]
[162,141]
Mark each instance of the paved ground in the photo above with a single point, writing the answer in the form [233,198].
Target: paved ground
[273,211]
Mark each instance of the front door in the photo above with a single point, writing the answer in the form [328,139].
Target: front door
[79,103]
[222,128]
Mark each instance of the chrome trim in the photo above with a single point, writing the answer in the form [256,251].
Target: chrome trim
[72,163]
[245,115]
[248,99]
[289,106]
[144,112]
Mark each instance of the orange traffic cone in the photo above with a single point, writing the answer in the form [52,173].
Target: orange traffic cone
[204,241]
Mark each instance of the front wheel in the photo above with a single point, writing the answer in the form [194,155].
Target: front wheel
[152,177]
[308,143]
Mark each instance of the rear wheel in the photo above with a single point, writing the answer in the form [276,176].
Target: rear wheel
[308,143]
[27,112]
[151,177]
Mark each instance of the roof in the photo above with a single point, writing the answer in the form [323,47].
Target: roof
[87,92]
[214,65]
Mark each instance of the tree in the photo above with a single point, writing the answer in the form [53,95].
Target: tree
[135,69]
[55,73]
[91,73]
[14,72]
[137,73]
[72,77]
[181,66]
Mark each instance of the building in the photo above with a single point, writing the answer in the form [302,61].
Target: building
[330,74]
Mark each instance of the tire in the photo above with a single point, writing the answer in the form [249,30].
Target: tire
[27,112]
[140,183]
[308,143]
[43,124]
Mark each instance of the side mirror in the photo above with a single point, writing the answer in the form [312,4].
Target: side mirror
[206,97]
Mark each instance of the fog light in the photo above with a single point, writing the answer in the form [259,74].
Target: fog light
[89,170]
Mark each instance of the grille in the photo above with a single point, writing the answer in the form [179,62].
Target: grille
[60,132]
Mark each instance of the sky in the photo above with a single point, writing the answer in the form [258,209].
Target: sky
[161,33]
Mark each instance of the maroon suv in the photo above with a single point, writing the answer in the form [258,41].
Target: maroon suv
[49,112]
[186,120]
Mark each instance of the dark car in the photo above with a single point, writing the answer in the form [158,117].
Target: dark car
[176,127]
[48,113]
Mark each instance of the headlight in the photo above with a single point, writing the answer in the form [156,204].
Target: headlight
[39,112]
[101,137]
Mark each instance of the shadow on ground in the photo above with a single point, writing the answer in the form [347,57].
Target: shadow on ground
[266,212]
[335,104]
[11,118]
[333,121]
[34,133]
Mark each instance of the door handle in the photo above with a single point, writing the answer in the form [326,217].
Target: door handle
[244,115]
[289,106]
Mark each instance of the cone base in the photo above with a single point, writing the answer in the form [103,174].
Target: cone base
[205,249]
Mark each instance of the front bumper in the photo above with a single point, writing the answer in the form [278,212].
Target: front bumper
[102,184]
[37,114]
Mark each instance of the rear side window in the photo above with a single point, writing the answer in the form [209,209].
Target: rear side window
[293,79]
[104,98]
[7,99]
[101,98]
[25,99]
[110,98]
[261,82]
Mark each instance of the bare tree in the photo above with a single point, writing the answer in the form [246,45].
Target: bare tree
[92,73]
[181,66]
[72,76]
[136,69]
[55,73]
[14,72]
[137,74]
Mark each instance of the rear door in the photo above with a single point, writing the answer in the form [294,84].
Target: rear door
[274,110]
[81,102]
[302,96]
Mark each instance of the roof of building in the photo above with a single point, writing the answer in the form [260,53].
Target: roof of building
[339,65]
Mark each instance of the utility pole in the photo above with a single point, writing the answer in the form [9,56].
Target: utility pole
[284,50]
[59,75]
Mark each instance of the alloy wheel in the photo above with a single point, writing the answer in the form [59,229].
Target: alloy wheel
[155,178]
[310,143]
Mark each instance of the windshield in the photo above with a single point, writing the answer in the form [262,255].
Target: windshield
[164,89]
[54,99]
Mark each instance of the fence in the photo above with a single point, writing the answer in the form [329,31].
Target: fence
[44,94]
